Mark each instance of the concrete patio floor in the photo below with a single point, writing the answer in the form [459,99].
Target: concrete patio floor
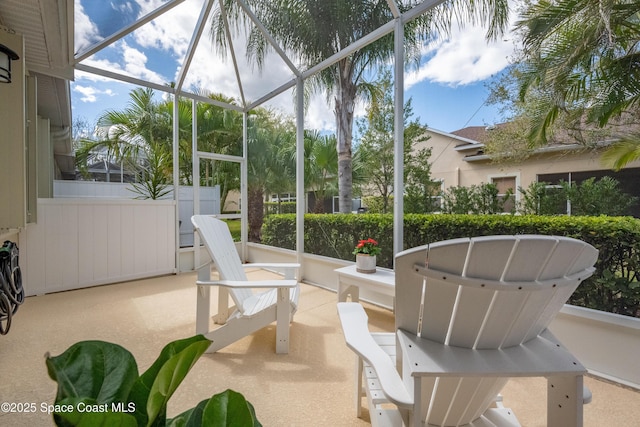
[311,386]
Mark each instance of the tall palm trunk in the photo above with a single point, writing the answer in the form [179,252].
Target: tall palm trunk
[344,106]
[255,212]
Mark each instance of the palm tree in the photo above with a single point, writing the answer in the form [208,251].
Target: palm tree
[267,170]
[140,136]
[219,131]
[141,124]
[320,165]
[583,55]
[314,30]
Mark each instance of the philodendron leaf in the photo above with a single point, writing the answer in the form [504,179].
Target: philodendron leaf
[98,370]
[226,409]
[87,412]
[229,409]
[153,389]
[189,418]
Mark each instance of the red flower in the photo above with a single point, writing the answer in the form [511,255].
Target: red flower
[367,246]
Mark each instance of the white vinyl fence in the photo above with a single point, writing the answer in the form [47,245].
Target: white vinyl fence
[209,199]
[78,243]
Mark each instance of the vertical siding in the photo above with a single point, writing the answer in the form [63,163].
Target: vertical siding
[86,242]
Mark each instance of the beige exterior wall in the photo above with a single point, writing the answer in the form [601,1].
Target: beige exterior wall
[232,203]
[13,183]
[450,165]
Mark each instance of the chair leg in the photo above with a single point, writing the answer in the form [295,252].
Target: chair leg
[359,390]
[203,309]
[565,401]
[283,317]
[223,306]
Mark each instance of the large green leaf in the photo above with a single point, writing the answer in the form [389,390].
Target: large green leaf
[190,417]
[226,409]
[89,413]
[94,369]
[152,390]
[229,408]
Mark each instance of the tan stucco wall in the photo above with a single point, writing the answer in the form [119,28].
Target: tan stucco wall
[12,140]
[449,165]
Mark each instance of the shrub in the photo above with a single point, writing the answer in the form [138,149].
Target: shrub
[613,288]
[373,203]
[477,199]
[271,208]
[590,197]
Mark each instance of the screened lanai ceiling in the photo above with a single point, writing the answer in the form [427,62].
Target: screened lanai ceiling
[162,44]
[167,45]
[174,45]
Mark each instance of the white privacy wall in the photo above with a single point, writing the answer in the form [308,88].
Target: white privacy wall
[209,199]
[85,242]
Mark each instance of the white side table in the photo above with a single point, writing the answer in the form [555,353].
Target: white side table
[350,281]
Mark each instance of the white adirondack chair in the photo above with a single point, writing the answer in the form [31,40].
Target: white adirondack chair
[276,300]
[470,314]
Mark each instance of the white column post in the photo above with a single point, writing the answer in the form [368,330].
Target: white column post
[244,187]
[195,179]
[300,190]
[398,167]
[176,178]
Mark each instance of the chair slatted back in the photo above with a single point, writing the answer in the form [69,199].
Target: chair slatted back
[484,293]
[217,238]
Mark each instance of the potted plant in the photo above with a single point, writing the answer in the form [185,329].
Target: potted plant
[99,385]
[365,252]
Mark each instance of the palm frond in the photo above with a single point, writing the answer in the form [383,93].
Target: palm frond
[622,152]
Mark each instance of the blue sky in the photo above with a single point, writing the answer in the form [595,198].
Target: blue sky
[448,89]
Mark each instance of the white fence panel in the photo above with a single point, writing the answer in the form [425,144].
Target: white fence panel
[209,199]
[81,189]
[209,205]
[85,242]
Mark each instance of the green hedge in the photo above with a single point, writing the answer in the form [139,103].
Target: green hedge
[271,208]
[613,288]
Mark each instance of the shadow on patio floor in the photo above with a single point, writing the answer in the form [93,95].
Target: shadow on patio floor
[311,386]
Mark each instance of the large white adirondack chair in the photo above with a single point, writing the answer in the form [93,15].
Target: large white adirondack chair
[275,301]
[471,313]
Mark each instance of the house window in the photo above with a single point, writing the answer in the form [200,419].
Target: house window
[506,188]
[355,204]
[627,178]
[282,197]
[436,199]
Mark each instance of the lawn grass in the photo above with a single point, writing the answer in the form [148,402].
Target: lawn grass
[234,227]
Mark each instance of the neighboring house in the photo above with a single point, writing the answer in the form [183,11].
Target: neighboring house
[458,159]
[106,171]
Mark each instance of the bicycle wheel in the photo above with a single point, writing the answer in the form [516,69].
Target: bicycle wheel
[6,312]
[16,298]
[15,280]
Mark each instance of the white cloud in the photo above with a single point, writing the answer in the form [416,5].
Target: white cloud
[85,32]
[90,93]
[319,115]
[462,59]
[148,6]
[122,7]
[155,52]
[171,31]
[135,64]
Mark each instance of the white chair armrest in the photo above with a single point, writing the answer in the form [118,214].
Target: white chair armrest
[272,265]
[358,338]
[278,283]
[288,269]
